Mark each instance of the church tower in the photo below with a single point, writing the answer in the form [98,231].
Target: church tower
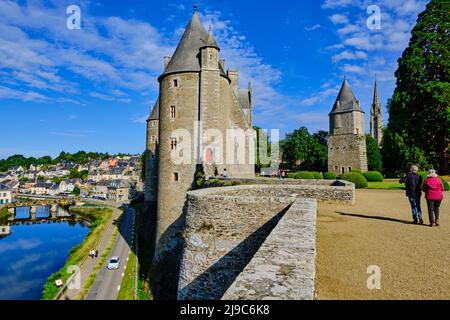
[376,117]
[347,142]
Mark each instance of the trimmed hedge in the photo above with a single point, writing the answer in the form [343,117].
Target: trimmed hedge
[373,176]
[305,175]
[357,178]
[356,170]
[330,176]
[291,175]
[317,175]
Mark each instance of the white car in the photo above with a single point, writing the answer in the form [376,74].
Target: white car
[114,263]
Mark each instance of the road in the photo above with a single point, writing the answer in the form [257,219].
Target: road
[107,283]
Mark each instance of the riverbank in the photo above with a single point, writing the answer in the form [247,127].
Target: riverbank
[99,218]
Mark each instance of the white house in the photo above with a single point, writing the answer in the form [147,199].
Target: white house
[5,194]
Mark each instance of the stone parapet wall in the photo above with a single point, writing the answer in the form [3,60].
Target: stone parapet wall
[228,227]
[284,266]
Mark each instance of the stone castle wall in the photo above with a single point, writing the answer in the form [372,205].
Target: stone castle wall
[226,227]
[347,151]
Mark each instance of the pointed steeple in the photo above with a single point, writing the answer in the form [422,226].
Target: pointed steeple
[346,100]
[376,100]
[211,40]
[155,112]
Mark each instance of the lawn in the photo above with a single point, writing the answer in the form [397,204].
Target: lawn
[389,184]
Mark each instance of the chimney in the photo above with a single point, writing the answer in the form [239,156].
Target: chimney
[166,61]
[222,63]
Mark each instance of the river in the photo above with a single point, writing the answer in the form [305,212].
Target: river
[31,252]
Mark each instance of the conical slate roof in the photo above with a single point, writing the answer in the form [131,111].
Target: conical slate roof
[155,112]
[211,40]
[346,100]
[187,55]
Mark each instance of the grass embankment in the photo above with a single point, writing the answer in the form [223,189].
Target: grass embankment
[77,255]
[127,286]
[143,262]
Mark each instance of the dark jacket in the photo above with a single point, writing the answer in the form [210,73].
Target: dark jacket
[413,182]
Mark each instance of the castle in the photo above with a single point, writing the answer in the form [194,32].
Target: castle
[189,128]
[347,149]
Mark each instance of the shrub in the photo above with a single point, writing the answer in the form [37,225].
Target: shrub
[330,176]
[373,176]
[356,178]
[356,170]
[291,175]
[305,175]
[317,175]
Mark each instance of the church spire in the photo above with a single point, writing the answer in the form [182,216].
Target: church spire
[376,99]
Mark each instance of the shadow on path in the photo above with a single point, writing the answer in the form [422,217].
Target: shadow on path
[357,215]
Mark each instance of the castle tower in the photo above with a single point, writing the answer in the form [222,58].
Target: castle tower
[151,155]
[376,117]
[346,143]
[196,98]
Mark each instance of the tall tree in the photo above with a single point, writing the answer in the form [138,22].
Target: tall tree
[419,111]
[374,161]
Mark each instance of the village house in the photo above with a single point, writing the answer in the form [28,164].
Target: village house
[12,184]
[5,194]
[25,187]
[41,188]
[5,177]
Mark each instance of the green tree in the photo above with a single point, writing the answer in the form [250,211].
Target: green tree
[419,111]
[374,161]
[302,151]
[398,155]
[76,191]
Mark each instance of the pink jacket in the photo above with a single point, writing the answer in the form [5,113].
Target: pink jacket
[433,188]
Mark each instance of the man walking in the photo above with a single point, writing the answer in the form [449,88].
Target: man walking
[413,182]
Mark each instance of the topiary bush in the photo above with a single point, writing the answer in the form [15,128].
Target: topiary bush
[356,170]
[304,175]
[330,176]
[373,176]
[291,175]
[357,178]
[317,175]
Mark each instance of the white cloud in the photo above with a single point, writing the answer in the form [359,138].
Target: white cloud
[332,4]
[349,55]
[338,18]
[312,28]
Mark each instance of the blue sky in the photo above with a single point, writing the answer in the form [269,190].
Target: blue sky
[91,89]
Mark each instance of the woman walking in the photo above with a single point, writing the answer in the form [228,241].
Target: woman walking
[434,195]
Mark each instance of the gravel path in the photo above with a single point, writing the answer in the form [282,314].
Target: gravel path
[414,259]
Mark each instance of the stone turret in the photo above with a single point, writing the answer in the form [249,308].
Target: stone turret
[376,117]
[151,167]
[196,99]
[346,143]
